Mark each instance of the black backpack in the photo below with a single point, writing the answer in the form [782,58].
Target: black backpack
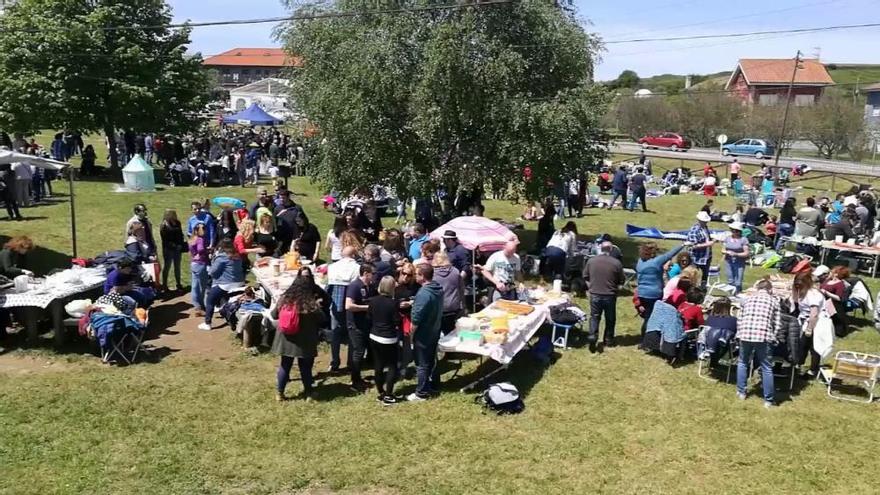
[502,398]
[787,264]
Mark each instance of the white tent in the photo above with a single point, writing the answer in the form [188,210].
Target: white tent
[138,175]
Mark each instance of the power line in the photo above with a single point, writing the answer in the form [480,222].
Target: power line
[274,20]
[753,33]
[727,19]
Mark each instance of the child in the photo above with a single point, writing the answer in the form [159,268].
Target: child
[691,311]
[771,226]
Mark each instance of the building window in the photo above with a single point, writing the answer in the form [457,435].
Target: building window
[235,77]
[240,104]
[768,99]
[804,100]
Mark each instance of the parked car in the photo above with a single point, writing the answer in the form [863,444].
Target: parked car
[759,148]
[669,140]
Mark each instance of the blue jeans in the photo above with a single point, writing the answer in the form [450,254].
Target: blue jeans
[598,305]
[619,194]
[784,230]
[305,371]
[338,332]
[215,295]
[735,272]
[200,283]
[762,354]
[554,259]
[427,372]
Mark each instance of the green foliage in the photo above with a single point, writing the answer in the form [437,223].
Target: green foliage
[463,98]
[627,79]
[60,69]
[833,123]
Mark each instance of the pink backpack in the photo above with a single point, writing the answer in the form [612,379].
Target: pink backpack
[288,320]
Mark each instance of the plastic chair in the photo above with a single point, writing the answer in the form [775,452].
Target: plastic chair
[714,272]
[562,340]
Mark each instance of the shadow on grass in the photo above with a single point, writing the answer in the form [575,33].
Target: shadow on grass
[41,260]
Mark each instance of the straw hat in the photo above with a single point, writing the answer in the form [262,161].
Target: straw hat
[736,226]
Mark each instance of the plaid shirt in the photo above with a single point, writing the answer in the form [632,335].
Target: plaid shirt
[699,235]
[759,318]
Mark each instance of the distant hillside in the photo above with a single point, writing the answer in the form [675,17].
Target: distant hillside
[845,74]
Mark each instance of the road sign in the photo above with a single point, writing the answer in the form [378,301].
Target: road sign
[722,138]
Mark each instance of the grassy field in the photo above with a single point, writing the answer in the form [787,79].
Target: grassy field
[617,422]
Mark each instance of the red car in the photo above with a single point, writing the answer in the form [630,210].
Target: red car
[669,140]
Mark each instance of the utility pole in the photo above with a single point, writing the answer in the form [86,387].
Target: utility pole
[779,144]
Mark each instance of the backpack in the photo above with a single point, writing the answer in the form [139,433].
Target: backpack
[502,398]
[288,320]
[787,264]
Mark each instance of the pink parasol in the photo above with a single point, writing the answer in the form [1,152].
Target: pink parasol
[477,233]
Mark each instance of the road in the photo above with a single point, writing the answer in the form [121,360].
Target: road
[713,155]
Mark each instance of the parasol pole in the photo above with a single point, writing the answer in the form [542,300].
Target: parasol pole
[70,171]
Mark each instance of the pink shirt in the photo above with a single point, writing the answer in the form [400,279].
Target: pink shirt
[735,167]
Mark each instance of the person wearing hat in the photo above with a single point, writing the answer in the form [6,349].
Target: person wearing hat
[702,242]
[459,256]
[736,252]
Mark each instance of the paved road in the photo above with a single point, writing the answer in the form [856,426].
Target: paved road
[710,154]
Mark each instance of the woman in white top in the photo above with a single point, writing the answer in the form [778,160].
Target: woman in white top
[560,246]
[334,244]
[809,302]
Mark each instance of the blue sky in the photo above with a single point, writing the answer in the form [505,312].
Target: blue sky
[627,19]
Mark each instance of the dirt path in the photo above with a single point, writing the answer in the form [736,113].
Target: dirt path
[173,335]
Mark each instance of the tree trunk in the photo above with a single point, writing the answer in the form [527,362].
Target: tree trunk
[111,144]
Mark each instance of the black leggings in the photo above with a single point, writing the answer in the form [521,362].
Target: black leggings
[385,366]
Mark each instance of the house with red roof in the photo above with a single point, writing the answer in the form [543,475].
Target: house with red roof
[241,66]
[762,81]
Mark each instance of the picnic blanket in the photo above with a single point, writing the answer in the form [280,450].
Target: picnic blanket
[669,235]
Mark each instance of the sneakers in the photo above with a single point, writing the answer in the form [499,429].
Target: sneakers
[414,397]
[769,405]
[204,327]
[740,396]
[389,400]
[359,387]
[279,397]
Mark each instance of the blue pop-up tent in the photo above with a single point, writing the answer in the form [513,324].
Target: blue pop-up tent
[252,115]
[669,235]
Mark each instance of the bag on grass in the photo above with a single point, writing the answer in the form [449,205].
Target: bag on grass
[787,264]
[502,398]
[288,320]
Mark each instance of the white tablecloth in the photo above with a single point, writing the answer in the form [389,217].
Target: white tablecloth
[274,285]
[521,331]
[58,286]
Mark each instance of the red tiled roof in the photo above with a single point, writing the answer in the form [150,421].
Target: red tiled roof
[778,71]
[252,57]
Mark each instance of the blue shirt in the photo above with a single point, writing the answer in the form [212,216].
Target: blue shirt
[650,274]
[666,320]
[210,226]
[415,247]
[836,212]
[619,181]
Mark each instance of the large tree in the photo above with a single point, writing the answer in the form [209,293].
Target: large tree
[463,98]
[97,65]
[833,123]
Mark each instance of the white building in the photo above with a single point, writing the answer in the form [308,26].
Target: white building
[270,93]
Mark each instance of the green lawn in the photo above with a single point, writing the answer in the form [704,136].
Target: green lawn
[618,422]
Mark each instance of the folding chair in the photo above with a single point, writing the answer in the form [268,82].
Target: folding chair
[714,272]
[704,361]
[794,370]
[629,276]
[863,369]
[126,347]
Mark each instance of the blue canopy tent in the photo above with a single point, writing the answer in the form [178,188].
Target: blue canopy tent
[252,115]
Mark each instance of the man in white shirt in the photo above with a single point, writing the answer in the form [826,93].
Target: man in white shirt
[339,275]
[503,270]
[24,176]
